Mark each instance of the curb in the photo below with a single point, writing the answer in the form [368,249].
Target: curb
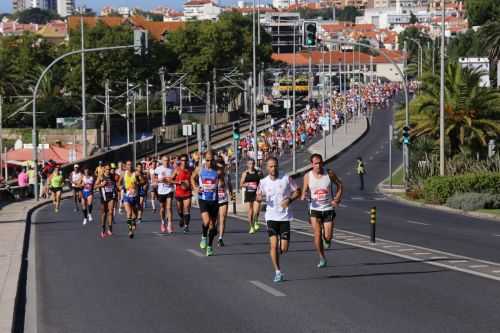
[484,216]
[303,170]
[20,303]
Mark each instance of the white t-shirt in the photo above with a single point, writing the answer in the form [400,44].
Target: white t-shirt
[273,193]
[163,172]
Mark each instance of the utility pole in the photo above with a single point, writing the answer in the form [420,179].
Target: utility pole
[134,146]
[1,139]
[215,93]
[163,97]
[294,146]
[180,99]
[441,95]
[254,82]
[147,104]
[84,108]
[107,114]
[127,104]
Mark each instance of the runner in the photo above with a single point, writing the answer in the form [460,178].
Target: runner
[87,195]
[225,191]
[205,179]
[130,200]
[154,184]
[107,187]
[56,182]
[323,201]
[163,175]
[250,182]
[183,193]
[120,171]
[278,191]
[116,178]
[75,179]
[142,186]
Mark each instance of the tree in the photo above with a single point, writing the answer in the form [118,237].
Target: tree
[413,18]
[467,44]
[35,15]
[490,36]
[479,12]
[471,112]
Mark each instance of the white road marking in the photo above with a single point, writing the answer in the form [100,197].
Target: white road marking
[405,250]
[416,222]
[446,258]
[496,235]
[457,261]
[196,253]
[389,246]
[267,289]
[357,198]
[477,266]
[422,253]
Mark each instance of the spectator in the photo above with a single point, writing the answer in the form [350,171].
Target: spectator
[22,178]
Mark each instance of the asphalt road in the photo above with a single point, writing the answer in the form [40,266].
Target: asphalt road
[157,283]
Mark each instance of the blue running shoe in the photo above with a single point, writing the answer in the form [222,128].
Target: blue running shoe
[279,277]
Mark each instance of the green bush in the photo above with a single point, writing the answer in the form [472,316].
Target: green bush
[473,201]
[439,189]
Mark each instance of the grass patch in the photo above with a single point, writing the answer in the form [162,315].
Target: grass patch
[397,177]
[489,211]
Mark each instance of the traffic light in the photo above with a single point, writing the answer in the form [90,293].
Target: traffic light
[406,135]
[309,29]
[236,131]
[141,42]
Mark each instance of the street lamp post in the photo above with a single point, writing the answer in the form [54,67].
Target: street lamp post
[441,95]
[163,96]
[254,82]
[84,107]
[134,146]
[127,104]
[294,146]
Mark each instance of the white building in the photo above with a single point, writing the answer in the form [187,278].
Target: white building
[65,7]
[281,4]
[124,11]
[202,10]
[480,64]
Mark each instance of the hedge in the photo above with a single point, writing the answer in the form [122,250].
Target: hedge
[438,189]
[473,201]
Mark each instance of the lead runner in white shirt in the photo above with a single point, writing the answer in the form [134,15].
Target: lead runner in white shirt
[278,191]
[323,201]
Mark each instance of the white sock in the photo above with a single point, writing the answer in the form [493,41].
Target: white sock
[162,222]
[278,272]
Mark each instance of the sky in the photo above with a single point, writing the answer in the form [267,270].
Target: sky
[6,5]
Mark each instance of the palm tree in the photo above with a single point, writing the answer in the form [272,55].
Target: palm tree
[468,109]
[491,35]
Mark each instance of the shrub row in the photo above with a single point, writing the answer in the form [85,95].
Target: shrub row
[438,189]
[473,201]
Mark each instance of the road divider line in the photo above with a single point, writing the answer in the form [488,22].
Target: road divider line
[405,250]
[477,266]
[457,261]
[267,289]
[422,253]
[196,253]
[496,272]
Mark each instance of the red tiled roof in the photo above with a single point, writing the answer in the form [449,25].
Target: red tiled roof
[58,154]
[197,2]
[302,58]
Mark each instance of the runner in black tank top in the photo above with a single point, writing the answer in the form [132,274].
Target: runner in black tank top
[250,180]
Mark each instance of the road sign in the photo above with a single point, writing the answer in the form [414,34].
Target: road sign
[265,109]
[187,130]
[287,104]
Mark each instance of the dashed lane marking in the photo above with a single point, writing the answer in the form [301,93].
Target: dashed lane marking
[482,268]
[196,253]
[357,198]
[417,222]
[267,289]
[422,253]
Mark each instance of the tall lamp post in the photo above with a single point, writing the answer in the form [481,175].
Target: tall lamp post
[254,83]
[441,95]
[84,107]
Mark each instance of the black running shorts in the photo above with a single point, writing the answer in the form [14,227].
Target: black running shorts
[210,207]
[324,216]
[279,228]
[162,198]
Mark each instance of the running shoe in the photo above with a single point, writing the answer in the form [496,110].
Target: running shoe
[130,234]
[220,242]
[170,229]
[120,210]
[186,229]
[256,226]
[203,243]
[181,223]
[56,210]
[109,233]
[278,277]
[162,228]
[90,218]
[84,222]
[322,263]
[139,221]
[252,230]
[327,244]
[134,226]
[103,234]
[210,251]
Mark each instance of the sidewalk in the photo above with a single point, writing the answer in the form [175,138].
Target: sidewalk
[356,129]
[12,231]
